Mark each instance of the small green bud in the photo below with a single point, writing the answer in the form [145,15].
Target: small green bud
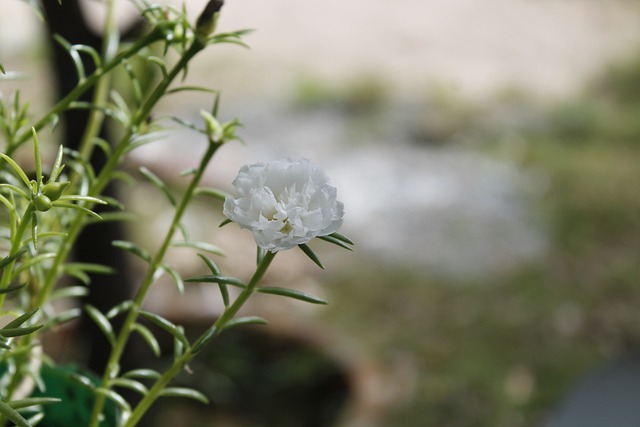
[215,130]
[53,190]
[42,202]
[206,23]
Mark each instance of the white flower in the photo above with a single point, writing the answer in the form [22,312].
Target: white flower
[284,203]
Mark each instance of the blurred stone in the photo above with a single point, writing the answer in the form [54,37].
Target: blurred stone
[606,398]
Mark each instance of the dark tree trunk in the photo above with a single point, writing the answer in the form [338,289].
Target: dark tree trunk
[94,245]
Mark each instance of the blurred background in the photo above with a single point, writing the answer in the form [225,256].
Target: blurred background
[488,155]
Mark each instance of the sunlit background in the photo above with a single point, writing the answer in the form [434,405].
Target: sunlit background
[488,155]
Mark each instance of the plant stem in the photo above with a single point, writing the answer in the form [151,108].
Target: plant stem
[121,148]
[129,323]
[110,44]
[16,242]
[219,325]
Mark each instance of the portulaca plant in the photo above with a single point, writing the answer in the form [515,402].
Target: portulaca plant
[285,204]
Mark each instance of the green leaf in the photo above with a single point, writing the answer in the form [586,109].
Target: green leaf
[18,332]
[73,54]
[224,291]
[15,189]
[36,155]
[218,279]
[102,322]
[166,325]
[77,198]
[148,337]
[117,399]
[130,384]
[34,261]
[335,241]
[241,321]
[70,292]
[184,392]
[112,201]
[103,145]
[175,276]
[13,328]
[95,56]
[123,176]
[119,308]
[34,229]
[136,89]
[10,206]
[89,267]
[2,70]
[143,374]
[224,222]
[178,345]
[6,260]
[12,288]
[32,401]
[117,216]
[308,252]
[139,140]
[35,419]
[191,89]
[159,184]
[188,171]
[80,275]
[205,339]
[13,415]
[212,192]
[133,248]
[80,270]
[211,264]
[18,321]
[342,238]
[292,293]
[189,125]
[231,37]
[63,317]
[60,204]
[83,380]
[160,63]
[18,169]
[57,167]
[201,246]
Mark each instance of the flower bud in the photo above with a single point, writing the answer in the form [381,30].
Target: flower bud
[206,23]
[53,190]
[42,202]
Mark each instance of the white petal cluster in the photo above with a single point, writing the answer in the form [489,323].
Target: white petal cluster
[284,203]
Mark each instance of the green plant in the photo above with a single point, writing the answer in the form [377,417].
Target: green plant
[43,215]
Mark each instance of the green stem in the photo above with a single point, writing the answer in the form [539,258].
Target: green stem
[129,323]
[105,175]
[16,243]
[96,116]
[157,388]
